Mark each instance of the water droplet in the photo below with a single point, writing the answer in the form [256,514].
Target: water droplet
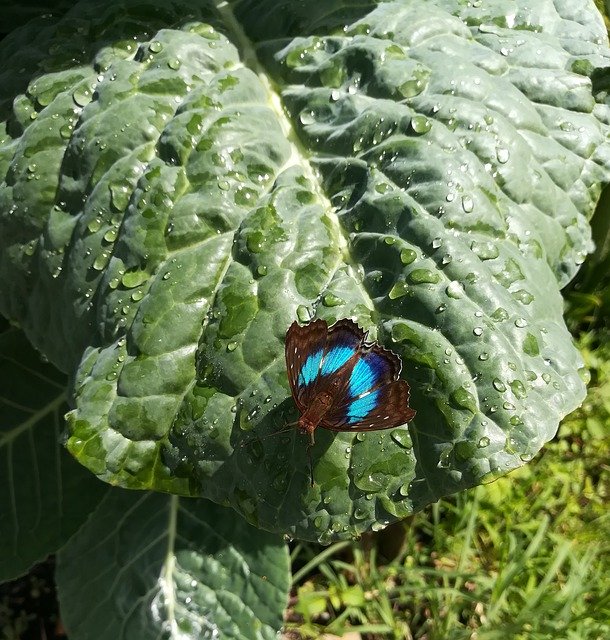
[414,87]
[518,388]
[444,459]
[454,290]
[404,489]
[101,261]
[503,154]
[307,117]
[486,250]
[359,513]
[520,323]
[499,315]
[402,438]
[303,314]
[134,278]
[421,124]
[483,442]
[499,385]
[255,241]
[441,308]
[174,64]
[467,204]
[400,289]
[110,235]
[94,225]
[407,256]
[523,296]
[423,276]
[478,331]
[119,195]
[331,300]
[231,346]
[30,247]
[464,399]
[483,356]
[530,345]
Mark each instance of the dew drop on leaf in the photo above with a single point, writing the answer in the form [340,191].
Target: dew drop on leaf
[467,204]
[503,154]
[421,124]
[331,300]
[454,290]
[424,276]
[407,256]
[303,314]
[499,385]
[402,438]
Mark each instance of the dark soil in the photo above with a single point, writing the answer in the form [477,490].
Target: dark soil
[28,606]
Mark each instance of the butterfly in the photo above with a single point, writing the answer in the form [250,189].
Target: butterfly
[341,382]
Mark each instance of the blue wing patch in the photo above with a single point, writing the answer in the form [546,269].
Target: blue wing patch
[310,369]
[361,407]
[367,373]
[336,358]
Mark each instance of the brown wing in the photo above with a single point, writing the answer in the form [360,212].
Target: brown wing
[301,343]
[385,407]
[317,354]
[373,367]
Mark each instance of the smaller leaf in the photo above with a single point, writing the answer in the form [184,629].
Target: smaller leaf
[168,565]
[45,495]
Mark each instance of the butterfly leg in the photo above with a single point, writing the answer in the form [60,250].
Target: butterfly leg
[310,463]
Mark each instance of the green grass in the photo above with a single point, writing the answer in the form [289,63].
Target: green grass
[524,557]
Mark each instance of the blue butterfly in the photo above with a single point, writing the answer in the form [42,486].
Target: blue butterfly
[341,382]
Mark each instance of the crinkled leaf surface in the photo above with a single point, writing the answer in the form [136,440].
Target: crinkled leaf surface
[44,494]
[184,179]
[148,565]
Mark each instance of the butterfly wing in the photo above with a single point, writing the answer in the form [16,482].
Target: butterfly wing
[315,354]
[305,346]
[372,397]
[384,408]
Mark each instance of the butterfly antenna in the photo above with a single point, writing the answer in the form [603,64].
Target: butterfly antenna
[285,429]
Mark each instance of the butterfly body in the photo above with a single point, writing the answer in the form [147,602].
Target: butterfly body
[341,382]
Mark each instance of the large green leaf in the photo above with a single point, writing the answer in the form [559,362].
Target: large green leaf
[150,566]
[44,494]
[184,179]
